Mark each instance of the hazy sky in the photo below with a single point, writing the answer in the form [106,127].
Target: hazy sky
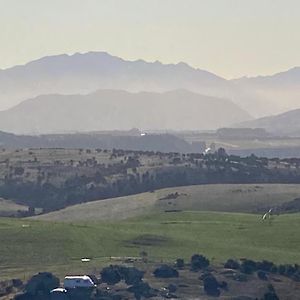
[231,38]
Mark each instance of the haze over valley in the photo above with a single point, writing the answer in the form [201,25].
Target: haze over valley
[149,150]
[86,73]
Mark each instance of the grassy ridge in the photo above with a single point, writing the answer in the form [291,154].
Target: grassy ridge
[214,197]
[9,207]
[59,246]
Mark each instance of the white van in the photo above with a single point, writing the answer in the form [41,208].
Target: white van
[72,282]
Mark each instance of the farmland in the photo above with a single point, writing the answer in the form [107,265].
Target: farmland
[32,246]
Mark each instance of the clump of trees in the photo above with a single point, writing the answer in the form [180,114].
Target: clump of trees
[199,262]
[115,273]
[57,184]
[165,271]
[248,266]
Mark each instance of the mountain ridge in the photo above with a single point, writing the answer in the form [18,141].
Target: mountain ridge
[287,123]
[117,109]
[83,73]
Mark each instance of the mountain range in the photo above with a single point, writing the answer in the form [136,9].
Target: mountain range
[114,109]
[86,73]
[148,95]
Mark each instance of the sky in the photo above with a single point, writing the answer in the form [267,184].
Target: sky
[231,38]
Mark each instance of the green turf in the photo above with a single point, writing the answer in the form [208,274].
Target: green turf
[59,247]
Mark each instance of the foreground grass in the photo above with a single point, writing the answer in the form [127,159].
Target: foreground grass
[27,246]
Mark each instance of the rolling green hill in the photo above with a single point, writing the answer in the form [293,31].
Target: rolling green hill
[247,198]
[32,246]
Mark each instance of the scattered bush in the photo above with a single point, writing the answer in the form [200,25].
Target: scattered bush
[114,274]
[165,271]
[142,289]
[265,265]
[42,283]
[262,275]
[232,264]
[131,275]
[270,294]
[248,266]
[23,296]
[172,288]
[199,262]
[211,286]
[110,275]
[223,285]
[179,263]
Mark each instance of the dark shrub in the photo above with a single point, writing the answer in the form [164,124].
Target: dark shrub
[142,289]
[110,275]
[265,265]
[17,283]
[165,271]
[23,296]
[270,296]
[179,263]
[223,285]
[199,262]
[287,270]
[42,283]
[281,269]
[248,266]
[232,264]
[172,288]
[296,276]
[211,286]
[204,275]
[290,270]
[131,275]
[114,274]
[262,275]
[274,269]
[240,277]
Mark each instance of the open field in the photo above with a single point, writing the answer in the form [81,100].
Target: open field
[29,246]
[247,198]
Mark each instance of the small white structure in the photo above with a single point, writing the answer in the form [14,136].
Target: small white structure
[58,290]
[72,282]
[207,151]
[59,294]
[85,259]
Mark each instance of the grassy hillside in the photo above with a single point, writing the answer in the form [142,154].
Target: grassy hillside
[227,198]
[8,207]
[32,246]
